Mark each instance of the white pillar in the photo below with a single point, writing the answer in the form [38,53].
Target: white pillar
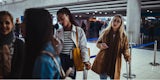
[133,20]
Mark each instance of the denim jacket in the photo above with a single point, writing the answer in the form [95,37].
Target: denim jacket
[82,41]
[45,67]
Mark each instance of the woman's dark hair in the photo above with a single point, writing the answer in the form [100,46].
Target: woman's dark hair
[67,12]
[3,13]
[38,26]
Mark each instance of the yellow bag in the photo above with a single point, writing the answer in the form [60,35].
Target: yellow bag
[77,58]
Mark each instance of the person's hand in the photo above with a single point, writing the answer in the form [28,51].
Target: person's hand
[87,65]
[128,58]
[104,46]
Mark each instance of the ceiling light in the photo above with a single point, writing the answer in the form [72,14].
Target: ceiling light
[87,13]
[93,13]
[114,11]
[76,15]
[147,10]
[100,12]
[105,13]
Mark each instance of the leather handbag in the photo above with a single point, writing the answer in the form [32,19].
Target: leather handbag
[99,64]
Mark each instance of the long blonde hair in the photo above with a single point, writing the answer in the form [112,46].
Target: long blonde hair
[121,28]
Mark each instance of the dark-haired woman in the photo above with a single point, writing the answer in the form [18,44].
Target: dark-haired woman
[40,49]
[67,36]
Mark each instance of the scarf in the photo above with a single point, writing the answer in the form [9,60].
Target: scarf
[6,39]
[113,39]
[5,53]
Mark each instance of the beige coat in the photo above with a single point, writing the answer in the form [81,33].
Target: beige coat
[123,48]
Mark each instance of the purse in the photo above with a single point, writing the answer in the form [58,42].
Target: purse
[77,58]
[98,63]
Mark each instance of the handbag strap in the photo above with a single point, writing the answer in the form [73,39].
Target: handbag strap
[60,69]
[77,38]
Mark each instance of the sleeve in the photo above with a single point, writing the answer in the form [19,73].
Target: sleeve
[83,46]
[99,41]
[44,69]
[17,59]
[126,52]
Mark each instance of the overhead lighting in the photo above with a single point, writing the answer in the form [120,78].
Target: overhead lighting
[151,18]
[147,10]
[87,13]
[80,16]
[100,12]
[105,13]
[114,11]
[150,11]
[93,13]
[76,15]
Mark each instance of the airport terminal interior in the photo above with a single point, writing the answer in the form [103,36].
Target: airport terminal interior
[141,23]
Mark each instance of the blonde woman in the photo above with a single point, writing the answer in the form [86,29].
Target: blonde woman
[112,43]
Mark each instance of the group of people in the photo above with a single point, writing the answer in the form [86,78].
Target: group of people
[49,56]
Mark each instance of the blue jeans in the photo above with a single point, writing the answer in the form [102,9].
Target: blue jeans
[104,77]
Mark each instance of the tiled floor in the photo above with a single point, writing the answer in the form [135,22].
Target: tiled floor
[140,65]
